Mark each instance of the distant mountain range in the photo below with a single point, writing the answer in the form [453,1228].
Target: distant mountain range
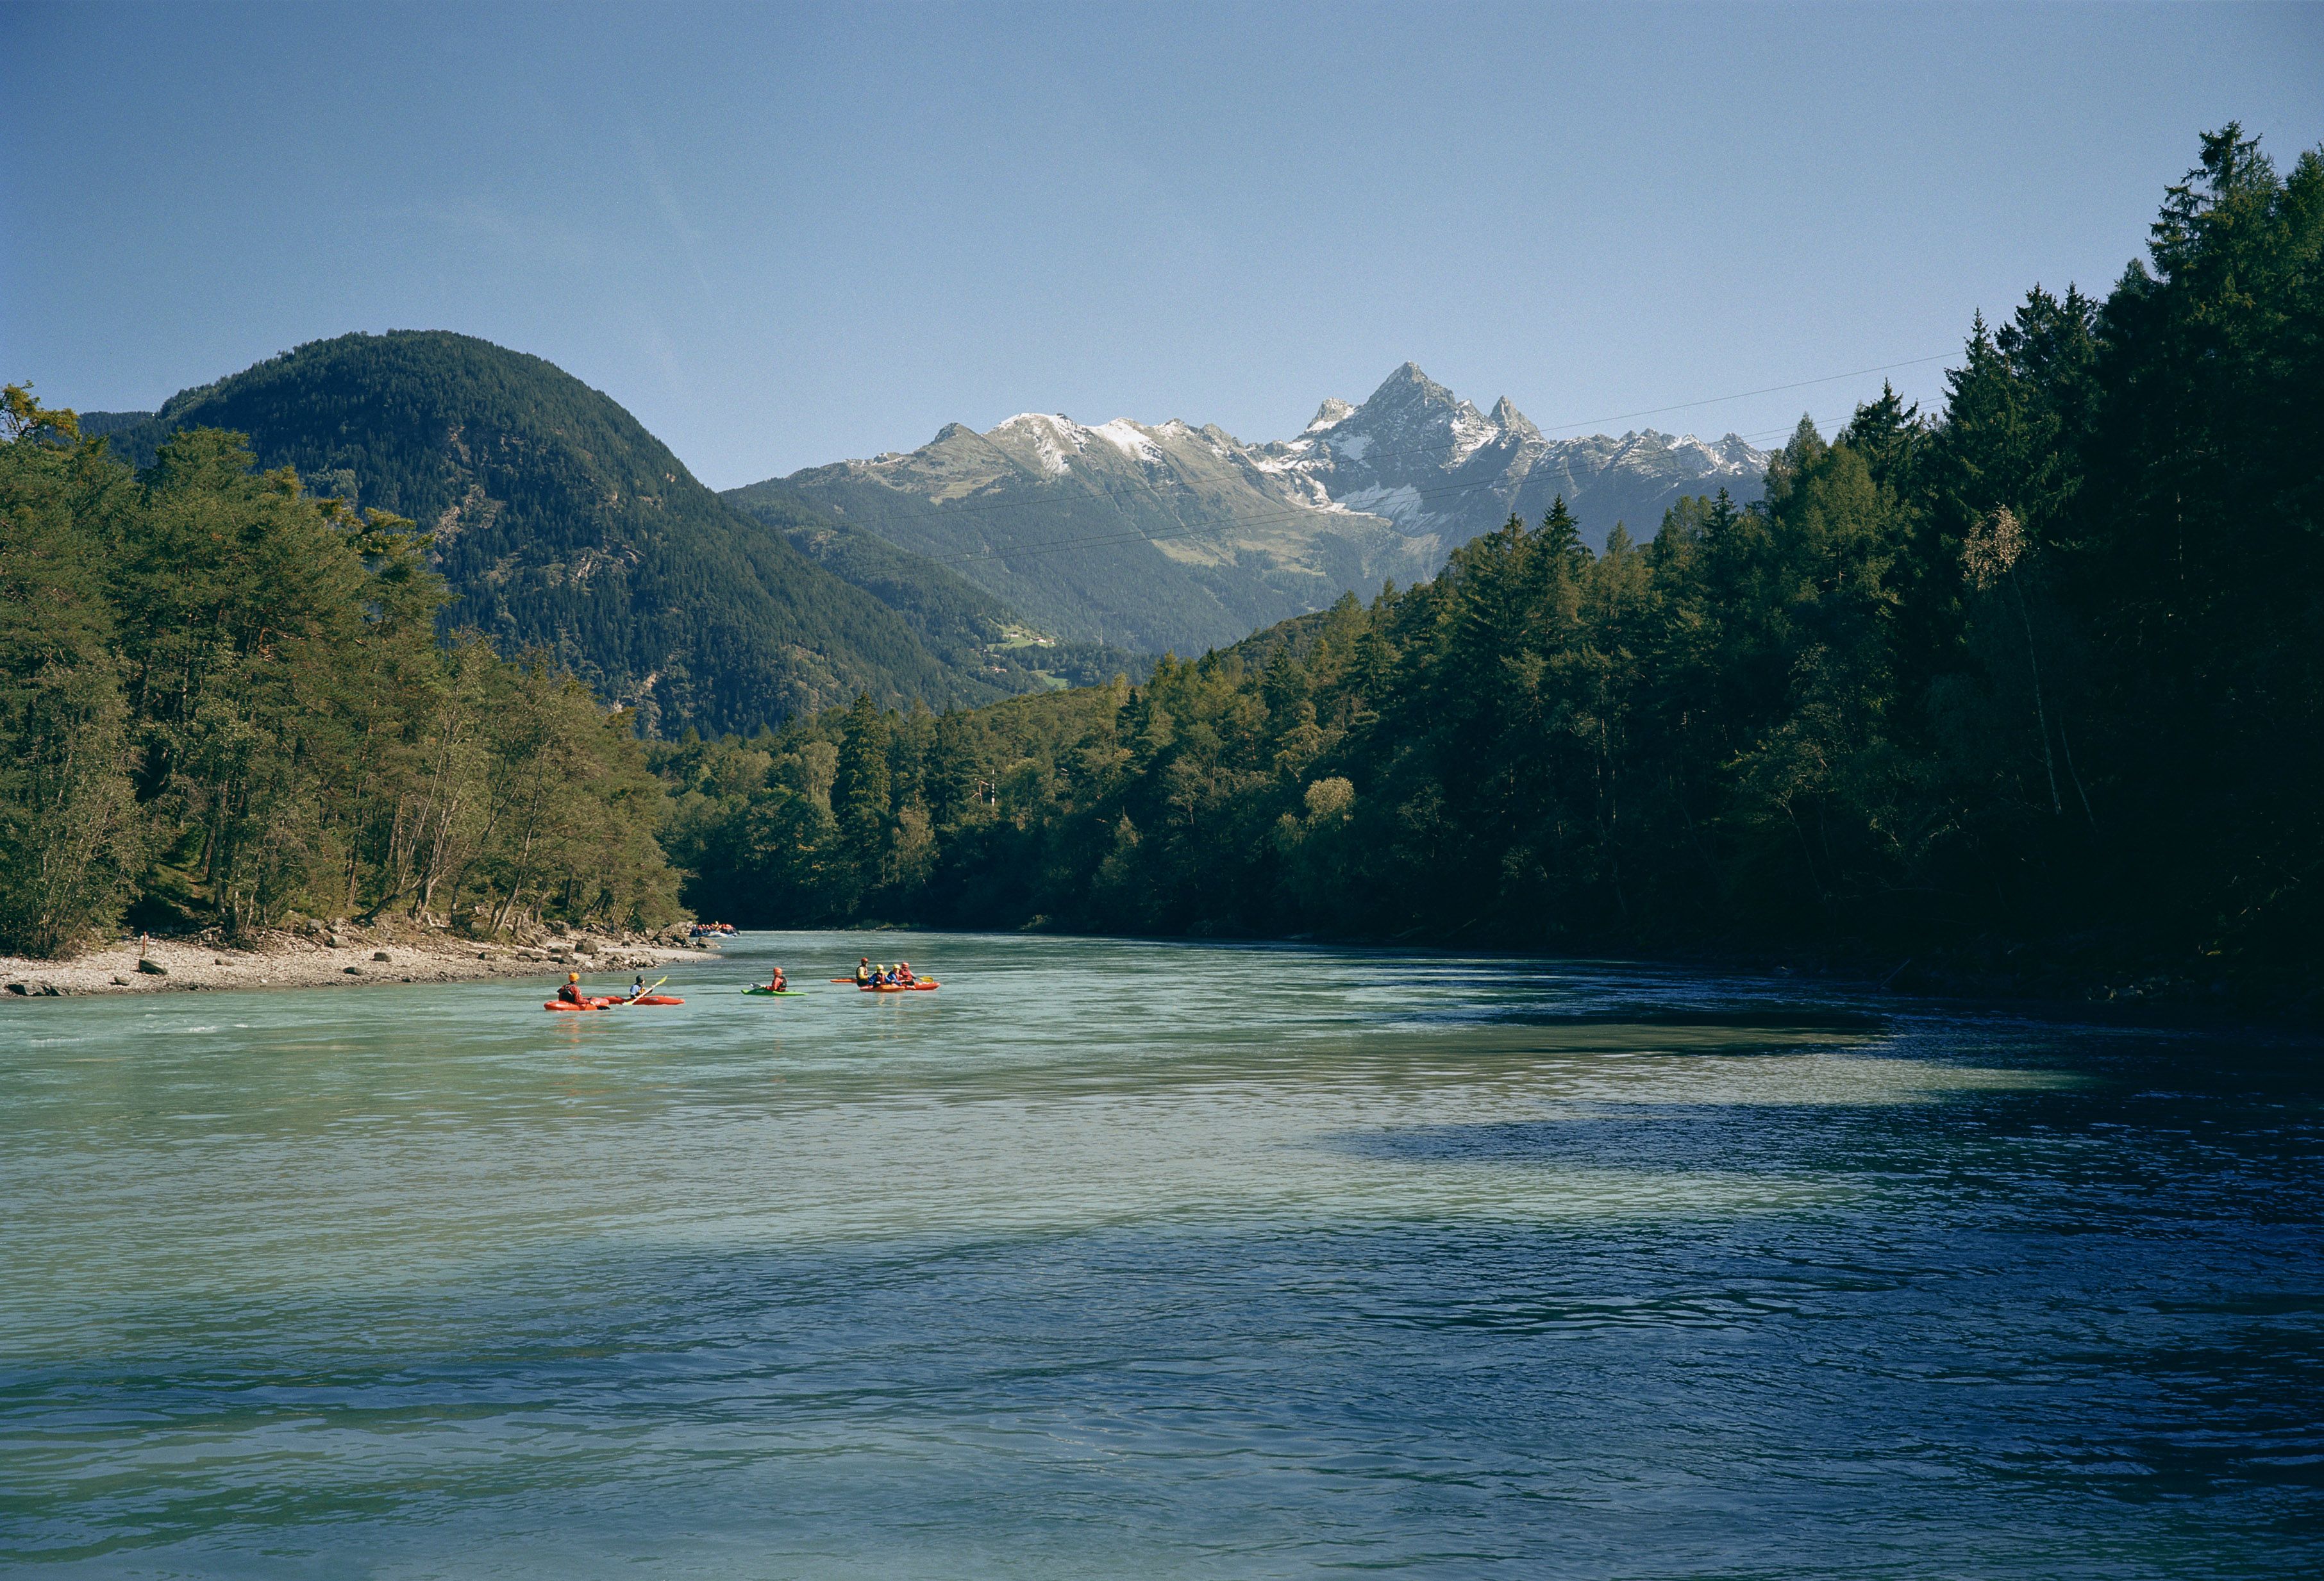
[1039,554]
[1187,538]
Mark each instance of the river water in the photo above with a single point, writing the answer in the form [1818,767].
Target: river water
[1150,1260]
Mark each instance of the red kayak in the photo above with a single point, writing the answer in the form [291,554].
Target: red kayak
[613,1004]
[897,987]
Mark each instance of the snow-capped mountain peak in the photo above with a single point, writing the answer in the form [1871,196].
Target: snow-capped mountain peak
[1172,535]
[1431,462]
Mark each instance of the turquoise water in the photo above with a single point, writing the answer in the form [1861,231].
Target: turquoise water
[1147,1260]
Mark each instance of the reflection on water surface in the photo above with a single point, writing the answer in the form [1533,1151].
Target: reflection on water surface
[1140,1259]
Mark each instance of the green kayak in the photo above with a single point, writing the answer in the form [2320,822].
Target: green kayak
[776,993]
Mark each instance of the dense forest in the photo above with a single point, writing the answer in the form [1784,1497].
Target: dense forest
[223,702]
[2033,680]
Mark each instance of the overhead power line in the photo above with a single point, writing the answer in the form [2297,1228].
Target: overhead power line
[1913,362]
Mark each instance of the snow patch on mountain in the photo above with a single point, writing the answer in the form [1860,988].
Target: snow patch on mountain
[1133,441]
[1400,505]
[1470,432]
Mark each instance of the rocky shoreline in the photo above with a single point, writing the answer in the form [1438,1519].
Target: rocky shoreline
[332,956]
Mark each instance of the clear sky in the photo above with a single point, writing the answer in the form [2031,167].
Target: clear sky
[784,235]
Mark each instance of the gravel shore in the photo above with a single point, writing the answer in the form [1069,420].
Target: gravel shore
[336,957]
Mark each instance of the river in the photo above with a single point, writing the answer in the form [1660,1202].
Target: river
[1117,1258]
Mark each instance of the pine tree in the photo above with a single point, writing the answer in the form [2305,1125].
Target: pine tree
[70,837]
[860,797]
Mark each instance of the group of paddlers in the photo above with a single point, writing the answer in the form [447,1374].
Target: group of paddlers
[867,975]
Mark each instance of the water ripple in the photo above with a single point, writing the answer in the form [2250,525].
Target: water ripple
[1121,1258]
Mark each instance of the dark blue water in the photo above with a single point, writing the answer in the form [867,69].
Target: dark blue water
[1118,1259]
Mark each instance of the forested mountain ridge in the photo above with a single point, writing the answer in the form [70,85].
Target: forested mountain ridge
[561,526]
[97,425]
[2032,688]
[1169,536]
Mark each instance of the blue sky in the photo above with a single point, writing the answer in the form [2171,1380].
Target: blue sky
[783,235]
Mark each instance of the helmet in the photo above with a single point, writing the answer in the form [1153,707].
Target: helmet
[573,976]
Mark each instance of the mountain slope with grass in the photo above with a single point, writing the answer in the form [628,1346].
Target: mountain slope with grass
[962,624]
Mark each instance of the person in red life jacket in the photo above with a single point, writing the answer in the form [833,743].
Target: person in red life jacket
[904,974]
[571,993]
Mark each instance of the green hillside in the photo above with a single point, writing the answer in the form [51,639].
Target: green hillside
[560,523]
[961,623]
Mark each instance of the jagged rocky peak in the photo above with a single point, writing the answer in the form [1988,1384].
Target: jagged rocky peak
[1505,416]
[1408,385]
[1332,410]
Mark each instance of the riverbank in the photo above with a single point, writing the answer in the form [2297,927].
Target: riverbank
[332,957]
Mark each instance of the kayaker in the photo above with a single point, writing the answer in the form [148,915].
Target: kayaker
[865,972]
[904,974]
[778,983]
[638,986]
[571,993]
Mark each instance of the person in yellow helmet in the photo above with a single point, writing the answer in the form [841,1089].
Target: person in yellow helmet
[571,993]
